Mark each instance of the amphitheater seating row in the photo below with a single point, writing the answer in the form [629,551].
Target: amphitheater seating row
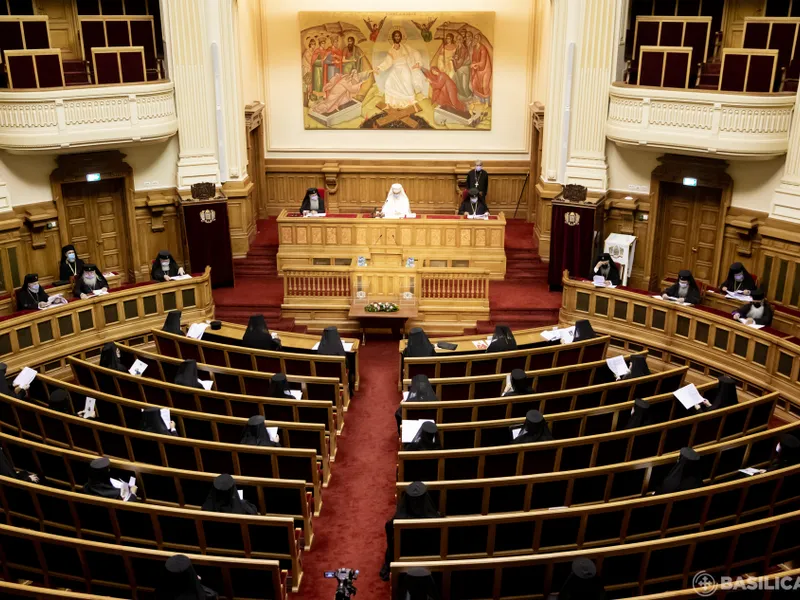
[591,451]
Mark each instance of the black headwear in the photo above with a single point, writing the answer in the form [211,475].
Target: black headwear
[726,394]
[109,358]
[257,334]
[82,287]
[416,503]
[582,583]
[421,390]
[99,483]
[426,438]
[59,400]
[67,269]
[583,331]
[613,271]
[758,294]
[685,475]
[4,387]
[153,423]
[730,283]
[279,387]
[418,344]
[692,294]
[534,429]
[187,374]
[157,272]
[255,433]
[224,498]
[502,340]
[640,416]
[418,584]
[639,367]
[6,470]
[789,453]
[520,385]
[306,204]
[330,343]
[179,581]
[26,299]
[172,324]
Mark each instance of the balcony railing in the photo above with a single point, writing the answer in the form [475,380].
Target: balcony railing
[705,123]
[93,117]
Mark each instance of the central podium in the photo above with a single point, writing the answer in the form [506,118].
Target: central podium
[441,241]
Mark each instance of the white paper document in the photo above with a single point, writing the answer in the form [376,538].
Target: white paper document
[206,383]
[180,277]
[348,346]
[689,396]
[311,216]
[24,378]
[750,471]
[196,330]
[165,418]
[618,366]
[137,368]
[566,335]
[739,296]
[54,300]
[241,494]
[298,394]
[109,274]
[88,408]
[672,299]
[754,325]
[515,432]
[272,432]
[100,292]
[410,428]
[481,217]
[125,488]
[405,396]
[599,281]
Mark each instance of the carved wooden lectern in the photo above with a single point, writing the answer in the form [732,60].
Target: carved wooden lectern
[207,233]
[577,234]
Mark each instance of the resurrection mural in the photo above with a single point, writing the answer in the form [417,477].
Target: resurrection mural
[397,70]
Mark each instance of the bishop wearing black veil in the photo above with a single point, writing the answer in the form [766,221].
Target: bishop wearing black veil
[534,429]
[637,367]
[738,280]
[91,280]
[257,335]
[582,583]
[473,204]
[224,498]
[418,344]
[165,267]
[418,584]
[583,331]
[685,289]
[7,470]
[502,340]
[312,202]
[99,483]
[607,268]
[187,375]
[427,438]
[330,343]
[172,324]
[153,423]
[420,390]
[640,416]
[726,394]
[255,433]
[31,294]
[110,358]
[70,265]
[414,503]
[685,475]
[520,384]
[179,581]
[758,311]
[279,387]
[788,452]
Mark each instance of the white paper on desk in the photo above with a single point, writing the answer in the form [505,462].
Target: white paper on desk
[558,508]
[567,335]
[272,432]
[689,396]
[109,274]
[55,300]
[298,394]
[551,334]
[165,417]
[405,396]
[515,432]
[410,428]
[241,494]
[88,408]
[480,344]
[750,471]
[196,330]
[180,277]
[137,368]
[124,487]
[100,292]
[739,296]
[673,299]
[309,215]
[274,335]
[480,217]
[24,378]
[599,281]
[754,325]
[348,346]
[206,383]
[618,366]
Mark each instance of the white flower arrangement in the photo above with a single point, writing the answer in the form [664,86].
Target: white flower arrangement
[374,307]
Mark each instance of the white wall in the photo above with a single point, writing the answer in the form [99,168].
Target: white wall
[509,137]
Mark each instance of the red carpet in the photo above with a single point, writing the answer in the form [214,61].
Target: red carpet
[360,498]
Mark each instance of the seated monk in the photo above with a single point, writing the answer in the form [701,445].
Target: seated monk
[90,281]
[473,205]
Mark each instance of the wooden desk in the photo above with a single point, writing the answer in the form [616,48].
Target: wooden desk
[396,321]
[464,343]
[8,302]
[706,339]
[442,241]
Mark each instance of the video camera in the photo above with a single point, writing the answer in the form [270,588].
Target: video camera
[345,577]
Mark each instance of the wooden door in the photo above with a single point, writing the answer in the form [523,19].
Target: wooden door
[96,223]
[691,220]
[63,26]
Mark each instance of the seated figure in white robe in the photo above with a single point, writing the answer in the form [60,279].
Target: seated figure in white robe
[396,205]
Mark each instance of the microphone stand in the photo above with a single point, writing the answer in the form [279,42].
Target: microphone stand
[524,183]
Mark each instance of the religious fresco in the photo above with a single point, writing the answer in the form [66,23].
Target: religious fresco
[397,70]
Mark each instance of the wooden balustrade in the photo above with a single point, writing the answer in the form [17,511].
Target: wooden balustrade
[461,284]
[316,281]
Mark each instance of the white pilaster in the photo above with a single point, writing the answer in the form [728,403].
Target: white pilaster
[786,199]
[594,71]
[190,68]
[5,198]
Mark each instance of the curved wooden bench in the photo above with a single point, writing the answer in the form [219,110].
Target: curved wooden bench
[506,407]
[249,359]
[67,469]
[301,430]
[576,423]
[114,569]
[19,591]
[626,570]
[159,527]
[161,393]
[544,380]
[599,484]
[623,522]
[88,435]
[587,452]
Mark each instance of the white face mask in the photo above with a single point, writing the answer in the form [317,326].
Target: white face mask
[314,198]
[473,199]
[165,265]
[89,278]
[34,287]
[683,284]
[478,168]
[739,277]
[71,256]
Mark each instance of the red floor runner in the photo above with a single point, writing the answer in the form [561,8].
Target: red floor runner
[360,498]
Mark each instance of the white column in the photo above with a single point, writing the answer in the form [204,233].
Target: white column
[594,71]
[786,199]
[5,198]
[189,62]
